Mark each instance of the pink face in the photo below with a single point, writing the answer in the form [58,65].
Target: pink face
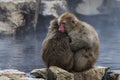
[67,24]
[62,26]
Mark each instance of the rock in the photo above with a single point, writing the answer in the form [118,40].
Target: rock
[19,14]
[56,73]
[17,1]
[24,9]
[39,73]
[4,78]
[96,73]
[113,75]
[16,16]
[61,74]
[54,8]
[11,74]
[8,7]
[31,79]
[7,27]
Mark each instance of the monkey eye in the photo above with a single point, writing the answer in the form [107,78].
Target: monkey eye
[63,23]
[73,21]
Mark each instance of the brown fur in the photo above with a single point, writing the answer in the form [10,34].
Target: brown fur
[84,41]
[56,48]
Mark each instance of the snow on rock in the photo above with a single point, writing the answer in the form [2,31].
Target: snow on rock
[54,8]
[15,17]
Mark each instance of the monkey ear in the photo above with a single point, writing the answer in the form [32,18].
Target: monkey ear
[53,24]
[54,21]
[74,21]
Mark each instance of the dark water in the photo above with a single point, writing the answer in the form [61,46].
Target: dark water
[20,53]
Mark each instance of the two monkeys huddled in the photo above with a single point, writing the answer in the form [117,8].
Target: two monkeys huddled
[70,44]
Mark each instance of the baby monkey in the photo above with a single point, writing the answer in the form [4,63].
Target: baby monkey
[56,49]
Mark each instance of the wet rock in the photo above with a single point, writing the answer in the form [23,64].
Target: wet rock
[11,74]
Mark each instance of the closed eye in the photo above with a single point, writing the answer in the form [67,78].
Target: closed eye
[63,23]
[73,21]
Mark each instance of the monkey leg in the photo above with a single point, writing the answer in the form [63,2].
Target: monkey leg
[83,60]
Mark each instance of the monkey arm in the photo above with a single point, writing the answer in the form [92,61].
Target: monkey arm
[81,44]
[80,41]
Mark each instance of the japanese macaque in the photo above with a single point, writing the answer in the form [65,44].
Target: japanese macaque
[56,49]
[84,41]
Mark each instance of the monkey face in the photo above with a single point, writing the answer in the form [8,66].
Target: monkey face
[67,22]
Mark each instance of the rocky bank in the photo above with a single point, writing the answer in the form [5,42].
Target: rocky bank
[56,73]
[96,73]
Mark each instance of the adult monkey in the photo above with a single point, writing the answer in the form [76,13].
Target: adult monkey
[84,41]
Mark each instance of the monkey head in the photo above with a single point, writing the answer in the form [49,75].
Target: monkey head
[54,25]
[67,22]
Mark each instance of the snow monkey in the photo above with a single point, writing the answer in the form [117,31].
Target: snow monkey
[56,49]
[84,43]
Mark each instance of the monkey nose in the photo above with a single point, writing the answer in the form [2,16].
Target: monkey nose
[61,28]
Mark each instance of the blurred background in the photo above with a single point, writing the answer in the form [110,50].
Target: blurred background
[20,41]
